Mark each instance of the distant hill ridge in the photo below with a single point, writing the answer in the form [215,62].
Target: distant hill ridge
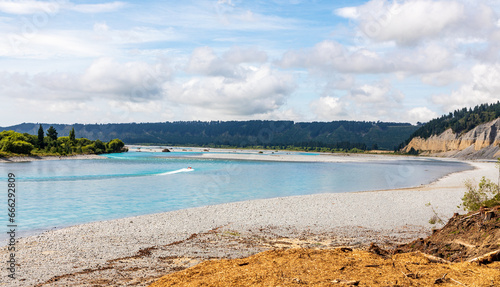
[381,135]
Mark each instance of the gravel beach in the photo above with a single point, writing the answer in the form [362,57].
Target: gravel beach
[50,157]
[136,250]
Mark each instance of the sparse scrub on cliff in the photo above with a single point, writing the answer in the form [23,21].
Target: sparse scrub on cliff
[486,193]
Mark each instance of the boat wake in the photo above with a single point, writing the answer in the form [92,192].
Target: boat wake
[177,171]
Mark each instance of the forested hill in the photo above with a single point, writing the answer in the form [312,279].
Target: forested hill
[337,134]
[460,121]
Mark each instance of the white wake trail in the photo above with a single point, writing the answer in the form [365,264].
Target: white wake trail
[177,171]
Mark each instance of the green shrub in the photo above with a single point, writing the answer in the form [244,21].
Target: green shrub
[115,145]
[487,193]
[19,147]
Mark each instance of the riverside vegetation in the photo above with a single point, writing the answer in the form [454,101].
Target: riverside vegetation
[49,144]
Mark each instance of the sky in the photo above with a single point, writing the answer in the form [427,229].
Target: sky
[70,62]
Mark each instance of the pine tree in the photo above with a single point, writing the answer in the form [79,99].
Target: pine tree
[41,135]
[72,136]
[52,133]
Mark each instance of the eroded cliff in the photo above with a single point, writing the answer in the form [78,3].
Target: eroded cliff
[482,142]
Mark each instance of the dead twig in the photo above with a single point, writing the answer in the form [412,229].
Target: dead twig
[458,282]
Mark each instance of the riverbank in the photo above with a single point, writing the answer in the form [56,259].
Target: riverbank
[139,249]
[50,157]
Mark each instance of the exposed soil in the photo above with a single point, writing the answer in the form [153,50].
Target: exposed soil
[339,267]
[423,262]
[463,238]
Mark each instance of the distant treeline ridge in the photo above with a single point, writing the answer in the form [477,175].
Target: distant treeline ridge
[334,135]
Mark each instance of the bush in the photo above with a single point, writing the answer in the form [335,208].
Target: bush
[115,145]
[486,194]
[20,147]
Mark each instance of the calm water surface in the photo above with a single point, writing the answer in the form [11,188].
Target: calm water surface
[68,192]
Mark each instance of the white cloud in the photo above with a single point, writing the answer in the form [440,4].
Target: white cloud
[98,8]
[348,12]
[366,102]
[375,101]
[238,55]
[329,108]
[100,41]
[136,81]
[27,7]
[376,93]
[30,7]
[446,77]
[483,87]
[423,59]
[104,78]
[420,114]
[329,55]
[204,61]
[411,21]
[258,90]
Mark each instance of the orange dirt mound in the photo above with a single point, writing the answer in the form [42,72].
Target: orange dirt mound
[341,266]
[464,237]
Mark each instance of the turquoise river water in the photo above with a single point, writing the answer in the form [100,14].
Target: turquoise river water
[59,193]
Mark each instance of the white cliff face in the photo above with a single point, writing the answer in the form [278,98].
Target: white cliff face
[481,142]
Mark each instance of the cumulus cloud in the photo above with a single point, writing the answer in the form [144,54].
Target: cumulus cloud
[328,56]
[420,114]
[375,101]
[104,78]
[369,102]
[329,108]
[259,90]
[411,21]
[483,87]
[428,58]
[376,93]
[332,56]
[136,81]
[446,77]
[204,61]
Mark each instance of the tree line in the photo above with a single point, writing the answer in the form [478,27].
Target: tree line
[344,135]
[49,143]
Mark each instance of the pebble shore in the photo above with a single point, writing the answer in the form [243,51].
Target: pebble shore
[352,218]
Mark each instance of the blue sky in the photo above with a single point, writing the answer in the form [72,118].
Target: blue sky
[151,61]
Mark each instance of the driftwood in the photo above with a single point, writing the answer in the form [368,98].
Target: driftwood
[434,259]
[474,214]
[487,258]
